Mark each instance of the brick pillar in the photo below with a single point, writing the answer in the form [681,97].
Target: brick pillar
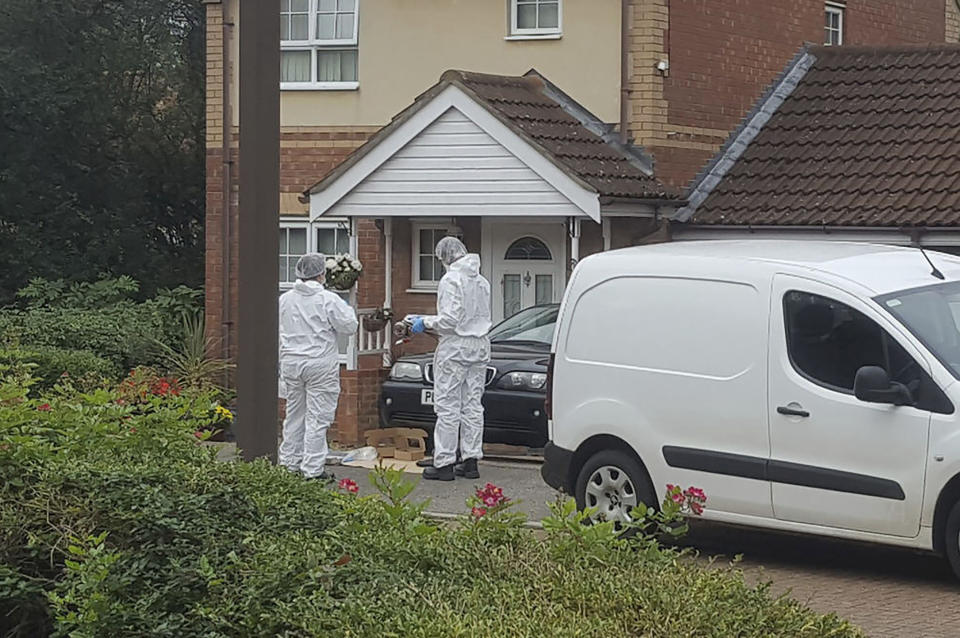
[953,21]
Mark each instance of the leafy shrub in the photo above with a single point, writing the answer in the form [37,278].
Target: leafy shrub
[101,317]
[49,365]
[114,521]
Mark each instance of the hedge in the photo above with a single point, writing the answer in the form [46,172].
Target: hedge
[50,364]
[119,523]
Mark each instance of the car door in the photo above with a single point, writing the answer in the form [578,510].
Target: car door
[835,460]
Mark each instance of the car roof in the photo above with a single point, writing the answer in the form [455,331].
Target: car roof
[879,268]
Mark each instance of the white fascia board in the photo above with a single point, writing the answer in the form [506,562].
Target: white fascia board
[453,97]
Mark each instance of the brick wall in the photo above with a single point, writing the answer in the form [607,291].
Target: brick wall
[953,21]
[723,53]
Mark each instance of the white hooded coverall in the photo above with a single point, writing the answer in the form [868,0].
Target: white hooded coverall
[311,317]
[460,361]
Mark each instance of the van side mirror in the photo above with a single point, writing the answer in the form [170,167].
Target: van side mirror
[873,385]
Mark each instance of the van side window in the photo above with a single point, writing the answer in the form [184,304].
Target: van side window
[829,341]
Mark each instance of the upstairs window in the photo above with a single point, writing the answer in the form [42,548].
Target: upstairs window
[833,29]
[318,42]
[535,17]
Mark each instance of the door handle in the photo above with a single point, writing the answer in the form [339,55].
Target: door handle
[792,411]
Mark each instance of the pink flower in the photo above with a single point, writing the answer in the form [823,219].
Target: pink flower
[677,497]
[696,508]
[489,501]
[695,493]
[348,485]
[44,408]
[198,434]
[478,511]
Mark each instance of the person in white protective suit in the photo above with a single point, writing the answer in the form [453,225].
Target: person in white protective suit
[311,318]
[460,361]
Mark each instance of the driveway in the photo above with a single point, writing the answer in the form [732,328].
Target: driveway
[891,593]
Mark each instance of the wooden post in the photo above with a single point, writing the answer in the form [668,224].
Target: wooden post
[258,270]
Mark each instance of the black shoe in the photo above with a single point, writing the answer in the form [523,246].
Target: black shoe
[323,477]
[444,473]
[467,469]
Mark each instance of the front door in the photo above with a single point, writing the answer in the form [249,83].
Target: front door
[528,268]
[835,460]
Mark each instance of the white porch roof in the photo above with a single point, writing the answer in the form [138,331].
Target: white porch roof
[488,145]
[453,158]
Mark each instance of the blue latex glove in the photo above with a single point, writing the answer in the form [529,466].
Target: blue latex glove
[417,326]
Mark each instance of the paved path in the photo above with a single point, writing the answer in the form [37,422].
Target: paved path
[891,593]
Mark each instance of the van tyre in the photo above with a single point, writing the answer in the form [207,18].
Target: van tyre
[612,482]
[951,539]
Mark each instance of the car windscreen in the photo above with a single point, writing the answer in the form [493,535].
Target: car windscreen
[932,314]
[534,325]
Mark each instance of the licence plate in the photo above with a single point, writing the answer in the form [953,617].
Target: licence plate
[426,397]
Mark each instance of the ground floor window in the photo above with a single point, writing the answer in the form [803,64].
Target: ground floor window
[298,238]
[427,269]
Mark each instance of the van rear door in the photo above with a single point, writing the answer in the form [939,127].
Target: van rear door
[836,460]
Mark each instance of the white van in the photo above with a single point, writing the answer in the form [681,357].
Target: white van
[805,386]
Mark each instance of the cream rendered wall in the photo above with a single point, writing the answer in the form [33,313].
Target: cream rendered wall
[405,45]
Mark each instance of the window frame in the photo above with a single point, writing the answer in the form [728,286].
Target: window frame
[337,227]
[839,10]
[416,283]
[288,225]
[311,228]
[819,382]
[517,33]
[313,44]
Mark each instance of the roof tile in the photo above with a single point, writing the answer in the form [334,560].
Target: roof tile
[869,137]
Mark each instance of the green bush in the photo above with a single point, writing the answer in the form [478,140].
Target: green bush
[114,521]
[50,364]
[100,317]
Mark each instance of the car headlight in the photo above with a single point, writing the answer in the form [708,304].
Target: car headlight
[405,371]
[531,381]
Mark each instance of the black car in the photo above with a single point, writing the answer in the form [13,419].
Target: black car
[516,382]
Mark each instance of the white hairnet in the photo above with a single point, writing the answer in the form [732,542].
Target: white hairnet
[450,249]
[311,266]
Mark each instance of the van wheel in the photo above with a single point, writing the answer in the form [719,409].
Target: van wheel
[951,539]
[613,482]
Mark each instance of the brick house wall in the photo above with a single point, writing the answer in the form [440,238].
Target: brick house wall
[723,53]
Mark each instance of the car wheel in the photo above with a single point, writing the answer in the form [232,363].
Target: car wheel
[951,540]
[613,482]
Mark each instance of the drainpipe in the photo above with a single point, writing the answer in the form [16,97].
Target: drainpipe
[624,71]
[226,230]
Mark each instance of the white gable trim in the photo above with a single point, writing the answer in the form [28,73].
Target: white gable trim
[584,199]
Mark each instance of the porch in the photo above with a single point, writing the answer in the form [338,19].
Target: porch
[524,175]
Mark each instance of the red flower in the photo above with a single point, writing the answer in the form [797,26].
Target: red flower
[696,508]
[695,493]
[198,434]
[348,485]
[478,511]
[44,408]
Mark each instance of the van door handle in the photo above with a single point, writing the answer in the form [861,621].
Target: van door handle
[792,411]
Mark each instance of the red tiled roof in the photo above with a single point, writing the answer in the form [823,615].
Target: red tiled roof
[574,139]
[565,130]
[868,137]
